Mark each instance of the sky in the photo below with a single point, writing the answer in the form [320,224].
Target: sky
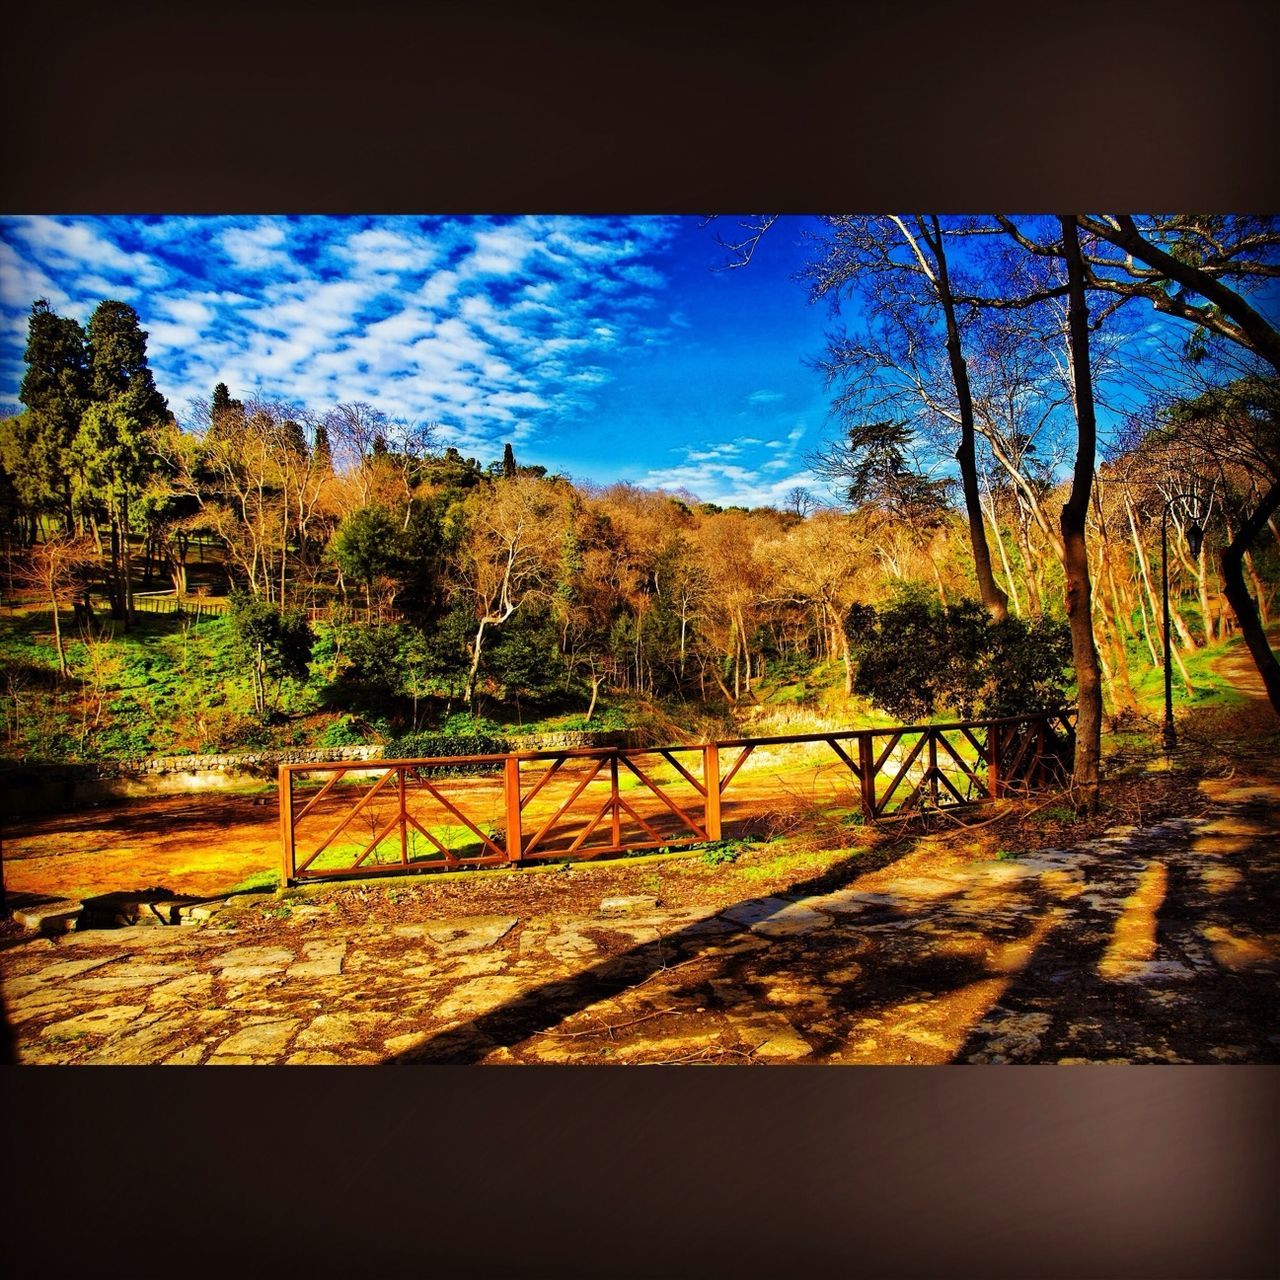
[605,348]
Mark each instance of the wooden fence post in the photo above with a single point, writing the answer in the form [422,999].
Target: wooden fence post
[284,786]
[867,767]
[404,820]
[711,781]
[515,835]
[616,825]
[993,761]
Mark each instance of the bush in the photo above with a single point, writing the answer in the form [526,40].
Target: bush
[345,731]
[426,745]
[915,660]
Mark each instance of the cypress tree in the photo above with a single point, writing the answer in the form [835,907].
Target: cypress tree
[55,391]
[118,369]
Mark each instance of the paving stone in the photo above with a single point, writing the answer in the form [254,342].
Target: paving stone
[457,936]
[479,996]
[126,975]
[192,988]
[323,1058]
[260,1039]
[50,917]
[99,1022]
[572,945]
[337,1028]
[263,959]
[127,937]
[43,1001]
[660,1048]
[462,1044]
[150,1044]
[853,902]
[925,886]
[632,902]
[323,960]
[188,1057]
[771,1036]
[57,971]
[777,917]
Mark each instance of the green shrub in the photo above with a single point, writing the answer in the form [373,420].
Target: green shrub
[914,660]
[427,745]
[345,731]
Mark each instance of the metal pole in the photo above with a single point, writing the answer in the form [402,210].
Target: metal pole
[1170,733]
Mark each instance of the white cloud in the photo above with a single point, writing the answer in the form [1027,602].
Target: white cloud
[257,247]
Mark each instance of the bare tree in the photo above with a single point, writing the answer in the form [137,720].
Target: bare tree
[59,568]
[900,265]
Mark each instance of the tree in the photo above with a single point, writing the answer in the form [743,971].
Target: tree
[509,553]
[800,501]
[55,389]
[59,568]
[366,548]
[1075,558]
[1240,424]
[224,412]
[1181,264]
[900,264]
[118,369]
[276,644]
[111,456]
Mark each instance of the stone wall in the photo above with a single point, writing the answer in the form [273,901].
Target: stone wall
[31,790]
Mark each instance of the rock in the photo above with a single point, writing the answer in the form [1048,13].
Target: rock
[55,972]
[188,1057]
[479,996]
[336,1029]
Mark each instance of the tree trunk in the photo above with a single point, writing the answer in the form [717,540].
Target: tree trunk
[1004,560]
[995,600]
[1242,605]
[596,682]
[1075,557]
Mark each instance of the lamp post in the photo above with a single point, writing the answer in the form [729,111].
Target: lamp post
[1195,539]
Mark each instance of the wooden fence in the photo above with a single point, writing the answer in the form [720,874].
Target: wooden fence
[443,813]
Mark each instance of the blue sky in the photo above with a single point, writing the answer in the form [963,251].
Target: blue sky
[604,347]
[607,348]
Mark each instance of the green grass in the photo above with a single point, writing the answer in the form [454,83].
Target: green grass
[1211,687]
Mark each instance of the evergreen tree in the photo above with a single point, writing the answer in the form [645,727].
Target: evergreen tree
[508,461]
[118,370]
[223,411]
[323,452]
[113,448]
[55,391]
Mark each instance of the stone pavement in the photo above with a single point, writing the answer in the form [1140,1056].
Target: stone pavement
[1154,944]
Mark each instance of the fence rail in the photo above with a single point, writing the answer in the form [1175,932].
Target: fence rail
[166,602]
[448,812]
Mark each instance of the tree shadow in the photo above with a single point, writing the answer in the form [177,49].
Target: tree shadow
[1028,968]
